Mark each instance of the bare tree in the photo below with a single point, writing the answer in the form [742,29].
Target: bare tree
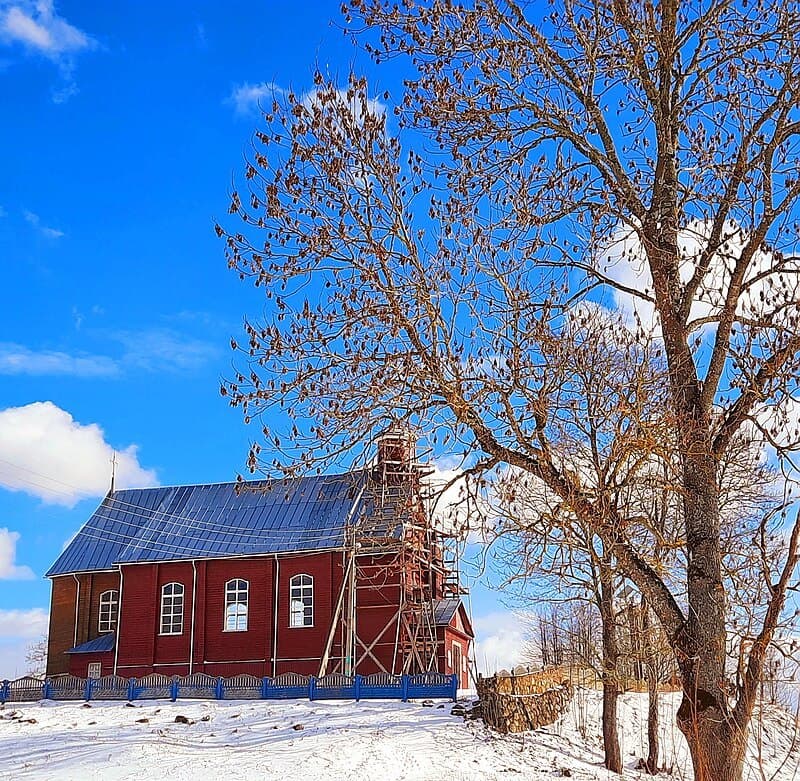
[564,633]
[638,154]
[577,573]
[36,657]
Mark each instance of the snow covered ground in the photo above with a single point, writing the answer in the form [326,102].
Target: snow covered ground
[304,741]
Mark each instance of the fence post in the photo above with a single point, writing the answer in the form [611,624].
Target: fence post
[454,683]
[357,687]
[265,688]
[404,688]
[131,689]
[5,690]
[87,690]
[173,689]
[219,692]
[312,687]
[46,689]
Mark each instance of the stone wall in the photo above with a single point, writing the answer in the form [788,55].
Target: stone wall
[516,703]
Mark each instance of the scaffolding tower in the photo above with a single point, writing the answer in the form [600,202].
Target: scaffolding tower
[392,551]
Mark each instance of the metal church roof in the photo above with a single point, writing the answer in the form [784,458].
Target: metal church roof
[221,520]
[444,610]
[98,645]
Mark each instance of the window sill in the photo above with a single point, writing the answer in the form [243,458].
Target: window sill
[233,631]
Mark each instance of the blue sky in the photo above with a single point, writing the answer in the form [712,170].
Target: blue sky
[123,126]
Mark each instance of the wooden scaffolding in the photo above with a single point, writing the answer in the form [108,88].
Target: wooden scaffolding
[393,550]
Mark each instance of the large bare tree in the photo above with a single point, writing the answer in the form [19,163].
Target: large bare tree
[640,155]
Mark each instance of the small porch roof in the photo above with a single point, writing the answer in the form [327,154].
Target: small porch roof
[99,645]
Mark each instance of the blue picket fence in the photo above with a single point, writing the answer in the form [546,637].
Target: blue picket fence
[335,686]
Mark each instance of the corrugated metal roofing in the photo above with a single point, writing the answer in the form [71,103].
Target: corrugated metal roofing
[444,610]
[224,519]
[96,646]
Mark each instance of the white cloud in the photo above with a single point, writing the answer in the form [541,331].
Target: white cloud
[445,488]
[499,641]
[771,288]
[9,569]
[23,624]
[354,102]
[247,97]
[162,349]
[152,350]
[46,453]
[36,221]
[37,27]
[456,504]
[18,630]
[15,359]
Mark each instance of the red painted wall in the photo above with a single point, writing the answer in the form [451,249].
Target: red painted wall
[79,663]
[257,651]
[63,633]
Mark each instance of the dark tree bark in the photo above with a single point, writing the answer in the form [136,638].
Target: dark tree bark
[651,672]
[611,687]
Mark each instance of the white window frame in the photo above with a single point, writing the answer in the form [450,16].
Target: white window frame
[172,605]
[237,595]
[108,614]
[301,601]
[94,670]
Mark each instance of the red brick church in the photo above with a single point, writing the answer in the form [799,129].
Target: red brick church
[312,575]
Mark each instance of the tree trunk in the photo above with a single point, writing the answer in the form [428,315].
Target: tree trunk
[716,743]
[613,755]
[651,764]
[651,671]
[717,748]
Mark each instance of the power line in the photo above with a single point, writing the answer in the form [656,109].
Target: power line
[39,474]
[159,524]
[135,543]
[194,523]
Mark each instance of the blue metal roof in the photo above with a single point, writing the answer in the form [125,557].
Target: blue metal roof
[444,610]
[98,645]
[224,519]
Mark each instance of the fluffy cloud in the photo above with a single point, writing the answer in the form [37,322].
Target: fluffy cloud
[23,624]
[500,641]
[357,107]
[18,630]
[16,359]
[46,453]
[37,27]
[246,98]
[770,291]
[9,569]
[446,490]
[456,504]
